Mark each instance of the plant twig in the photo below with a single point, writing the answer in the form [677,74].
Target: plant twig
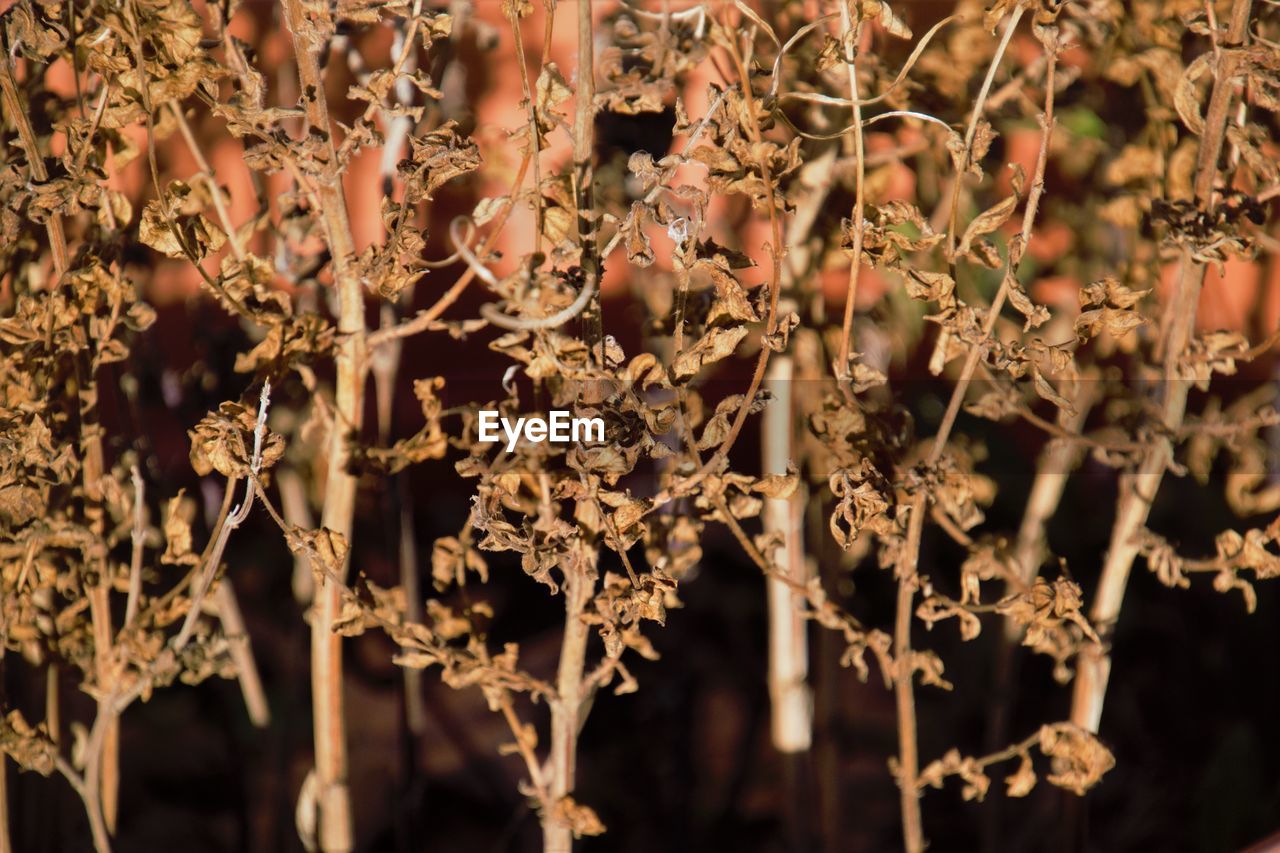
[972,130]
[35,161]
[792,726]
[139,537]
[6,845]
[567,707]
[1052,469]
[584,174]
[334,801]
[206,172]
[1139,490]
[849,35]
[909,556]
[423,319]
[228,524]
[535,140]
[775,289]
[89,785]
[233,627]
[904,698]
[293,504]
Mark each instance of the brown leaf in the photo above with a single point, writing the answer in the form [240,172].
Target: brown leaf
[628,513]
[326,549]
[29,747]
[1185,98]
[1036,315]
[986,222]
[716,344]
[19,504]
[1135,163]
[177,532]
[175,225]
[731,303]
[930,286]
[1048,392]
[718,426]
[639,249]
[1023,780]
[1079,758]
[223,441]
[780,486]
[435,159]
[582,820]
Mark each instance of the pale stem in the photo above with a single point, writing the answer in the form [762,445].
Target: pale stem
[255,698]
[1139,490]
[857,218]
[329,724]
[788,642]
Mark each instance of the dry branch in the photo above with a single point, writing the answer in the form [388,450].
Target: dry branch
[334,800]
[1138,491]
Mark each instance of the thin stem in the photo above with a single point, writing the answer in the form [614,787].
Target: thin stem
[904,697]
[385,366]
[233,627]
[907,569]
[925,117]
[1028,220]
[52,704]
[1140,490]
[139,536]
[35,162]
[401,64]
[89,785]
[567,708]
[206,172]
[849,37]
[775,290]
[6,846]
[978,106]
[792,724]
[853,100]
[424,319]
[399,126]
[335,824]
[229,523]
[98,112]
[414,706]
[1052,469]
[584,172]
[531,763]
[297,513]
[535,141]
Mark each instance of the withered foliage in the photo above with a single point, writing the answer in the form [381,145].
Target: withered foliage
[859,145]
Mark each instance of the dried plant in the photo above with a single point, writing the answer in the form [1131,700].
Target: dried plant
[863,163]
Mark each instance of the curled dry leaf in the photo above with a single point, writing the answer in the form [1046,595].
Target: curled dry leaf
[718,343]
[177,532]
[1079,760]
[176,225]
[435,159]
[223,442]
[581,819]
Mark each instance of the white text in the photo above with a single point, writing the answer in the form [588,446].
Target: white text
[559,427]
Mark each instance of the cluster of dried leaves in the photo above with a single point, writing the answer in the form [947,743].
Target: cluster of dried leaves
[614,528]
